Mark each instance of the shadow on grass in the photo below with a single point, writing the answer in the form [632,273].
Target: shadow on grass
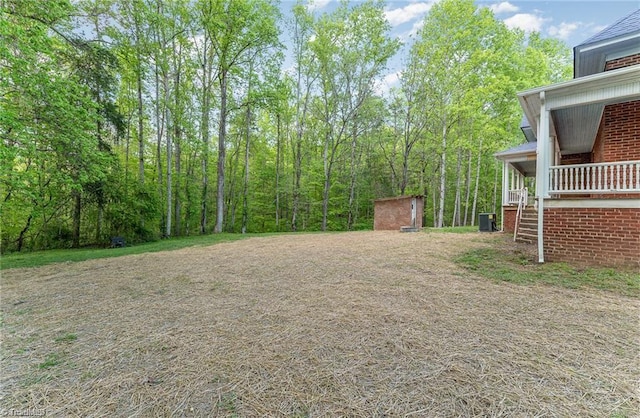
[507,262]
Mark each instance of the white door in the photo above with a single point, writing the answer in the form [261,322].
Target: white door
[413,212]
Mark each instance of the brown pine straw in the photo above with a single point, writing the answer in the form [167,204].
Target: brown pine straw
[363,324]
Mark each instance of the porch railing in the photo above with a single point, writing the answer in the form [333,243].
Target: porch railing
[618,177]
[523,195]
[517,196]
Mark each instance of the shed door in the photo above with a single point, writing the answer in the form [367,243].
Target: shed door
[413,212]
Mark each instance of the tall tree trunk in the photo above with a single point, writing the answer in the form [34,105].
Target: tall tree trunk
[140,126]
[435,205]
[443,175]
[177,211]
[278,142]
[475,192]
[245,186]
[206,104]
[23,232]
[159,132]
[328,165]
[177,132]
[139,87]
[456,207]
[167,230]
[126,155]
[468,189]
[353,174]
[301,115]
[189,212]
[77,210]
[222,131]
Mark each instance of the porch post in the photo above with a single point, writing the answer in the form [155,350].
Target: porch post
[505,192]
[542,171]
[505,183]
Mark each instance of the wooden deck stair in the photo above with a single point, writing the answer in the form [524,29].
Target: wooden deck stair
[528,229]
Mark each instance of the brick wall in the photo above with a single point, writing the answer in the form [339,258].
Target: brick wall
[509,220]
[622,62]
[618,138]
[592,236]
[621,132]
[393,213]
[584,158]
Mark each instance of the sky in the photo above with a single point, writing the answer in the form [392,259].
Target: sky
[572,21]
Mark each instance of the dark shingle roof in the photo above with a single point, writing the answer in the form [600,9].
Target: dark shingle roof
[628,24]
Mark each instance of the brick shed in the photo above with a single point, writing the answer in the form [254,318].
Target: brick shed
[392,213]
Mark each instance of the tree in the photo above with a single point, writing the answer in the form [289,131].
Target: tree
[469,62]
[236,28]
[352,47]
[51,124]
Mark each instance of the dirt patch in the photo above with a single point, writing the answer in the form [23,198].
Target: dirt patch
[352,324]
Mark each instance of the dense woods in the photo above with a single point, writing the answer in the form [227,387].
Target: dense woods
[158,118]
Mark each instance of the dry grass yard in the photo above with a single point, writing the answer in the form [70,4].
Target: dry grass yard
[363,324]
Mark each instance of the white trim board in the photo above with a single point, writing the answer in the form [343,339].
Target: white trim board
[593,203]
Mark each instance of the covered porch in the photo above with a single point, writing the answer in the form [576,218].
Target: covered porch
[562,165]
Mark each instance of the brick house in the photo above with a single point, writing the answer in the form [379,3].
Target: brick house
[394,213]
[574,187]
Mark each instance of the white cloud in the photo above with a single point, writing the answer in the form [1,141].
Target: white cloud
[391,79]
[564,30]
[317,4]
[416,27]
[504,7]
[382,87]
[408,13]
[526,21]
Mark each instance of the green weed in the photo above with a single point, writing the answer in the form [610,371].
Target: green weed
[52,360]
[227,403]
[66,338]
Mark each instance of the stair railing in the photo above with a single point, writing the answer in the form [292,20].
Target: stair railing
[522,199]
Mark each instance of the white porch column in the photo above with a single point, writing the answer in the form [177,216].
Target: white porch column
[505,183]
[542,170]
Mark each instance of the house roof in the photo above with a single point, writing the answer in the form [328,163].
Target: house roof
[620,39]
[522,149]
[627,24]
[526,129]
[411,196]
[521,157]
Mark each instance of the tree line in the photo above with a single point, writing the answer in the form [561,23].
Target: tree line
[158,118]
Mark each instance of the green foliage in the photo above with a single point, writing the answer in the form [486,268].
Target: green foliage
[110,132]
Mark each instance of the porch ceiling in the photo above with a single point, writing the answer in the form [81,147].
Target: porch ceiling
[526,168]
[576,106]
[577,127]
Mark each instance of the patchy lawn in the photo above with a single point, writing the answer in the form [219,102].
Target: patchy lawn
[353,324]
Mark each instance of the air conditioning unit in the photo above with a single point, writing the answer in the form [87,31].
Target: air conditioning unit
[487,222]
